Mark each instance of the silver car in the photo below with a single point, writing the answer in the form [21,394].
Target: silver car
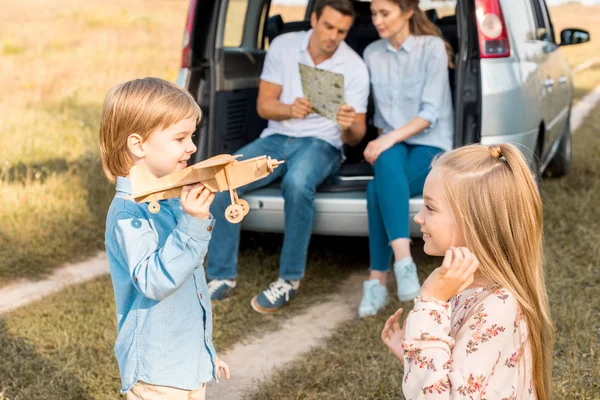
[510,84]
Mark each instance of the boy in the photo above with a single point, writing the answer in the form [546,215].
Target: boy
[164,320]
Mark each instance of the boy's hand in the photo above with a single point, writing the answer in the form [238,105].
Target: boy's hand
[393,336]
[345,116]
[196,200]
[222,365]
[454,276]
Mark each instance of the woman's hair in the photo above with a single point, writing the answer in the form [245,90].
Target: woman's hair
[139,106]
[420,25]
[497,206]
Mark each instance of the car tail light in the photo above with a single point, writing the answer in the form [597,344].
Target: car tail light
[493,36]
[186,56]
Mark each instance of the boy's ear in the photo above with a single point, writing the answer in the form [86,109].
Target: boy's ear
[135,145]
[313,19]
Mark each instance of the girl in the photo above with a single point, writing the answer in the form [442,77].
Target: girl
[481,326]
[413,110]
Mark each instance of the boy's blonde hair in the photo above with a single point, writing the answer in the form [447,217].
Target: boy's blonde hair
[139,106]
[497,205]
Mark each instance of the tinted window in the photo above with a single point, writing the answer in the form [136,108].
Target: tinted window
[234,24]
[542,21]
[286,11]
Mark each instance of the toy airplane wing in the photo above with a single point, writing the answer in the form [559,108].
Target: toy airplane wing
[216,161]
[241,173]
[218,174]
[143,184]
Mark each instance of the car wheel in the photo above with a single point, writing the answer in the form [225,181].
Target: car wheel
[561,162]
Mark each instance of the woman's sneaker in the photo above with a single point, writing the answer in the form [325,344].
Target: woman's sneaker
[407,279]
[276,296]
[375,297]
[220,289]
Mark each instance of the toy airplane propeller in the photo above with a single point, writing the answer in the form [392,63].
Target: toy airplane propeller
[218,174]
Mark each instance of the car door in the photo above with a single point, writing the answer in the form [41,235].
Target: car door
[551,77]
[563,93]
[468,93]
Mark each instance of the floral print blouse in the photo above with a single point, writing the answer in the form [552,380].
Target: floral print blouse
[472,347]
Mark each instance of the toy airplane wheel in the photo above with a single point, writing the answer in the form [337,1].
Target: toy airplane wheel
[154,207]
[234,213]
[244,205]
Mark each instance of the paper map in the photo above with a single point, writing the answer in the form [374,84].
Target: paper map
[324,89]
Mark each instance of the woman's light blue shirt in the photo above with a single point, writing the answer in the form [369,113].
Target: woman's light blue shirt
[412,82]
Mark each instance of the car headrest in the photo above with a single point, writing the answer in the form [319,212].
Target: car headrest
[273,27]
[432,15]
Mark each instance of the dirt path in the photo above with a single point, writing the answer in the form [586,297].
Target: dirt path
[256,360]
[23,292]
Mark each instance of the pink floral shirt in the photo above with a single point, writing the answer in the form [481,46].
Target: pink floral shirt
[472,347]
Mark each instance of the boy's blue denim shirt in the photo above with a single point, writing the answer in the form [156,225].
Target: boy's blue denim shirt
[164,316]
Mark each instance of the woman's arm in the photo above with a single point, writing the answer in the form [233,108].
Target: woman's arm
[412,128]
[384,142]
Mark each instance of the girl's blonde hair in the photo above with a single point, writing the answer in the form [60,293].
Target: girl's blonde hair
[139,106]
[420,25]
[497,206]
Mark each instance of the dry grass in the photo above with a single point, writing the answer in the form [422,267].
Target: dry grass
[57,64]
[578,16]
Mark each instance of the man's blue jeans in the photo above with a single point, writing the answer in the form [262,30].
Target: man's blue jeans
[308,162]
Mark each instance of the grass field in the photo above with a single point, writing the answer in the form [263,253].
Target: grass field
[57,64]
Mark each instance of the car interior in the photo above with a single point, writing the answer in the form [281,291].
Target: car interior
[355,172]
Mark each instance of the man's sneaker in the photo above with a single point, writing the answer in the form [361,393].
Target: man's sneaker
[220,289]
[375,297]
[276,296]
[407,279]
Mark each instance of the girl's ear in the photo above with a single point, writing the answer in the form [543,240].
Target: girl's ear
[135,144]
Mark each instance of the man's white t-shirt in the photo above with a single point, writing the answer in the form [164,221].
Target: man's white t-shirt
[281,67]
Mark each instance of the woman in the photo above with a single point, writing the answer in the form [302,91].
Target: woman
[413,111]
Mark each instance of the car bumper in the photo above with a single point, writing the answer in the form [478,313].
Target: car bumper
[337,214]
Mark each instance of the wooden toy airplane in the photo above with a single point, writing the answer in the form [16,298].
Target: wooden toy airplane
[218,174]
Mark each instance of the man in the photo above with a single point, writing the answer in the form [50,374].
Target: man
[309,143]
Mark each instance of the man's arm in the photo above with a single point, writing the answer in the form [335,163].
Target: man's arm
[354,126]
[353,135]
[269,107]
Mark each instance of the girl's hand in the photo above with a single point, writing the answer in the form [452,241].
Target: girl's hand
[393,336]
[376,147]
[454,276]
[222,365]
[196,200]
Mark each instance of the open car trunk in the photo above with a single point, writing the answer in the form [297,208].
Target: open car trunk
[225,81]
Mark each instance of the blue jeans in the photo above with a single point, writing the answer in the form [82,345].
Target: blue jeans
[308,162]
[400,173]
